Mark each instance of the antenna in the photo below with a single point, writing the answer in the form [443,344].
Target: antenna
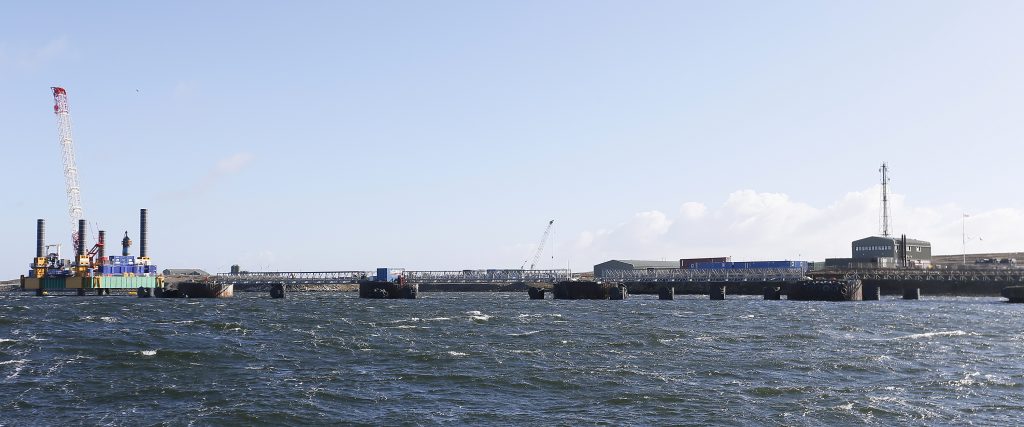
[885,200]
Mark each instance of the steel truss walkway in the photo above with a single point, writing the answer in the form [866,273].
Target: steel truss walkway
[706,275]
[351,277]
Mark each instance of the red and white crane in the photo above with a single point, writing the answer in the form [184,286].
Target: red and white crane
[60,108]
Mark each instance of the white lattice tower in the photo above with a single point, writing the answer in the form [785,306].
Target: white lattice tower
[884,220]
[540,246]
[67,148]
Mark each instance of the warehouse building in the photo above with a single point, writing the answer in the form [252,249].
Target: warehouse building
[888,252]
[185,272]
[631,264]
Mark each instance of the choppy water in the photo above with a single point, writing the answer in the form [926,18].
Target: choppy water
[503,359]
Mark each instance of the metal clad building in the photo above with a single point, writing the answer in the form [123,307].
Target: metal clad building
[631,264]
[879,248]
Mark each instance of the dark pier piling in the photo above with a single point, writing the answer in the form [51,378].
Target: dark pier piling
[911,293]
[773,292]
[716,292]
[388,290]
[1014,294]
[588,290]
[826,290]
[872,292]
[667,292]
[200,290]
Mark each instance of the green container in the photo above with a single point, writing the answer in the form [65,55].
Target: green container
[53,283]
[124,282]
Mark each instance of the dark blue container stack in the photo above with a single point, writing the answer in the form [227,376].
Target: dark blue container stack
[386,275]
[749,265]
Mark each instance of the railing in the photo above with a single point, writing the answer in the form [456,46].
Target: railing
[706,275]
[487,276]
[348,277]
[971,275]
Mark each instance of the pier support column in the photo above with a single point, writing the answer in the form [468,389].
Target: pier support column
[277,290]
[667,292]
[144,292]
[772,292]
[872,293]
[535,293]
[618,293]
[1014,294]
[911,293]
[717,292]
[81,292]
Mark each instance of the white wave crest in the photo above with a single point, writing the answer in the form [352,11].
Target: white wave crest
[932,334]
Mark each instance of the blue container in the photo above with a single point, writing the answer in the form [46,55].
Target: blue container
[387,274]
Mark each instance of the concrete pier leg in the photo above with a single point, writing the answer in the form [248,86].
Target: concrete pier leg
[911,293]
[535,293]
[99,292]
[667,292]
[717,292]
[872,293]
[277,290]
[773,293]
[81,292]
[144,292]
[1014,294]
[618,293]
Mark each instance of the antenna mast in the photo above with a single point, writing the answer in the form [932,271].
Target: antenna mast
[885,199]
[60,108]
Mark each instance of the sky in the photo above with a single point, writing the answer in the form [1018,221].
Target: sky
[310,136]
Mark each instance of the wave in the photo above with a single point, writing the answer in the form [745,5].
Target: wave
[932,334]
[523,334]
[476,315]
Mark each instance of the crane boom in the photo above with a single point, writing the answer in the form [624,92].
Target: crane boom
[60,108]
[540,246]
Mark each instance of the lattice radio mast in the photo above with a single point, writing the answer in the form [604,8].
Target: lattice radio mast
[884,220]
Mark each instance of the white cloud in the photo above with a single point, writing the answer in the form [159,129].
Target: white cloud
[31,59]
[758,226]
[232,164]
[183,90]
[693,210]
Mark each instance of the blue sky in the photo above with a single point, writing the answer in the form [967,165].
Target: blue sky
[444,135]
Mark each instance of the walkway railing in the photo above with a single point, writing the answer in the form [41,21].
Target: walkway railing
[706,275]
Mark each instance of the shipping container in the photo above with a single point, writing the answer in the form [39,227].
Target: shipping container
[688,262]
[124,282]
[749,265]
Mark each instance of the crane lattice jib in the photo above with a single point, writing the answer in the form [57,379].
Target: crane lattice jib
[540,246]
[60,108]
